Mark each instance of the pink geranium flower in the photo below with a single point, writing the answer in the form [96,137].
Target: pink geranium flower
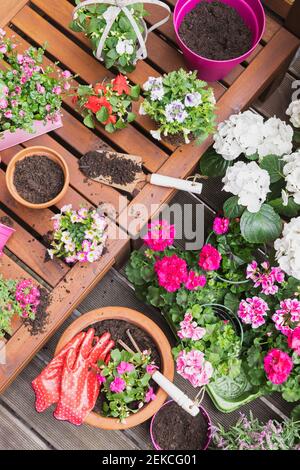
[278,366]
[294,340]
[252,311]
[287,318]
[3,103]
[150,395]
[160,235]
[194,281]
[171,272]
[124,367]
[151,368]
[193,367]
[189,329]
[101,379]
[221,225]
[117,385]
[265,278]
[209,258]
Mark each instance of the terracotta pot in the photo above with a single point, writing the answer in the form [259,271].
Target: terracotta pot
[36,151]
[163,346]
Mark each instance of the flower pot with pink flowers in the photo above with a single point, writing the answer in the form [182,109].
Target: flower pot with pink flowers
[30,94]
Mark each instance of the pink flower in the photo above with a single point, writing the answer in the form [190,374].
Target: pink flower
[189,329]
[252,311]
[117,385]
[5,90]
[67,86]
[294,340]
[57,90]
[209,258]
[66,74]
[48,107]
[20,59]
[151,368]
[160,235]
[266,279]
[124,367]
[193,367]
[2,32]
[8,114]
[278,366]
[22,113]
[18,90]
[14,103]
[194,281]
[81,256]
[40,89]
[221,225]
[86,246]
[150,395]
[28,297]
[3,49]
[70,259]
[3,103]
[101,379]
[287,318]
[171,272]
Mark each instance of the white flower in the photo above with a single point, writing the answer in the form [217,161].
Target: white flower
[249,182]
[110,13]
[153,82]
[142,111]
[291,171]
[156,134]
[65,237]
[90,234]
[125,46]
[92,256]
[66,208]
[278,138]
[294,112]
[51,253]
[74,217]
[70,246]
[288,248]
[285,197]
[193,99]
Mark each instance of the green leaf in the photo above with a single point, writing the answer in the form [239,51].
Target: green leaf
[213,164]
[112,54]
[135,92]
[110,128]
[153,296]
[273,165]
[252,157]
[291,210]
[295,414]
[232,302]
[89,121]
[261,227]
[74,26]
[115,355]
[232,209]
[102,115]
[297,136]
[131,117]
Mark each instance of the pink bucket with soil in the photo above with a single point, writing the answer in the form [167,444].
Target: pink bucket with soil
[5,234]
[253,16]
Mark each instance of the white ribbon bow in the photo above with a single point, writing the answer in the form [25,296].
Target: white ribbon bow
[112,14]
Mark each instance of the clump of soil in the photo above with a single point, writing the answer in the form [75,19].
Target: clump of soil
[175,429]
[5,220]
[117,329]
[116,169]
[38,325]
[215,31]
[38,179]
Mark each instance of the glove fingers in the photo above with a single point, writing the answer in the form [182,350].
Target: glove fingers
[97,350]
[86,345]
[106,350]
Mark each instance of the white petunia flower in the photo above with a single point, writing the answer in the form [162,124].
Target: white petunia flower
[124,46]
[156,134]
[294,112]
[65,237]
[288,248]
[249,182]
[193,99]
[291,171]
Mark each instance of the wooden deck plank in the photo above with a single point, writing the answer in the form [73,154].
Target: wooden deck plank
[9,8]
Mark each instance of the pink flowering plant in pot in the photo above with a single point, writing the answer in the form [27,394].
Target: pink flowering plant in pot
[29,92]
[79,235]
[126,383]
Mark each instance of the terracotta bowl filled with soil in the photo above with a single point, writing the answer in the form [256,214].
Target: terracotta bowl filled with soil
[147,334]
[215,36]
[37,177]
[172,428]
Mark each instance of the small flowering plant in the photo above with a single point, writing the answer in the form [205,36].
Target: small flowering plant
[78,235]
[125,383]
[109,103]
[181,105]
[28,91]
[17,298]
[121,45]
[293,112]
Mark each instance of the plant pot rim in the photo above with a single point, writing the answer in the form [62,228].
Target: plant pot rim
[214,61]
[204,413]
[142,321]
[36,151]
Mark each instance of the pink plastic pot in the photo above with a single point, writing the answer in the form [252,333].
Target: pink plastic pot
[253,15]
[10,139]
[204,413]
[5,233]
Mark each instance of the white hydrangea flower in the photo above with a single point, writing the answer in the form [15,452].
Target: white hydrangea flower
[291,171]
[278,138]
[124,46]
[294,112]
[249,182]
[288,248]
[241,133]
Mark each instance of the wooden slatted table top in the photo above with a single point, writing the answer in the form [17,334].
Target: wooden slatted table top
[40,21]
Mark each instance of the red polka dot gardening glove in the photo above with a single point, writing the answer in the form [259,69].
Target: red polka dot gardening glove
[80,386]
[47,385]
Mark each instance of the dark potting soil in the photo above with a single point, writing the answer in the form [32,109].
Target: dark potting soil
[5,220]
[175,429]
[38,179]
[38,325]
[117,329]
[215,31]
[116,169]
